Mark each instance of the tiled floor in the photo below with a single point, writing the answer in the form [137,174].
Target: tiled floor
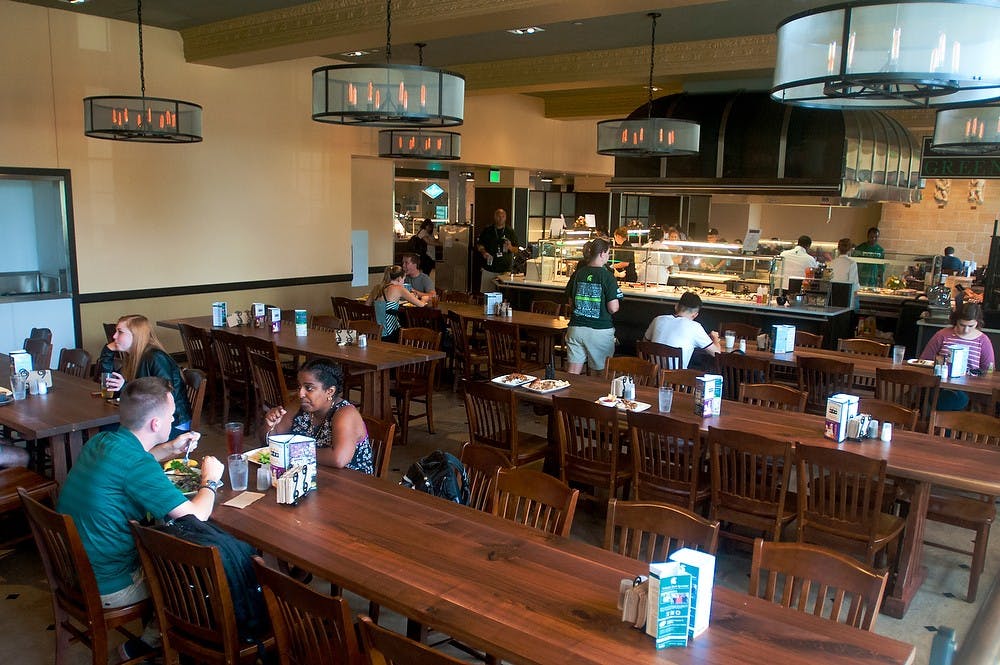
[26,615]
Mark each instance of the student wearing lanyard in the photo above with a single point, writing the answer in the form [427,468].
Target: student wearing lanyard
[496,244]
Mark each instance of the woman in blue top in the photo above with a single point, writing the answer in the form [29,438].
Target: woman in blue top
[324,414]
[594,296]
[386,296]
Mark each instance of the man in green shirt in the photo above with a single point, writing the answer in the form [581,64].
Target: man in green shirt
[870,274]
[118,478]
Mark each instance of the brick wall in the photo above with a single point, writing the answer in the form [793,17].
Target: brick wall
[928,227]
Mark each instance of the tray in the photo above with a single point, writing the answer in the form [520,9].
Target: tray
[515,382]
[621,404]
[558,385]
[920,363]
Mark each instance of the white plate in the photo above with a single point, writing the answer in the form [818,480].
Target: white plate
[557,384]
[254,455]
[621,404]
[502,380]
[920,363]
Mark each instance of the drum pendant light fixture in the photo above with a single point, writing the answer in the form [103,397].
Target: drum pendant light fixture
[388,95]
[877,54]
[969,131]
[141,119]
[649,136]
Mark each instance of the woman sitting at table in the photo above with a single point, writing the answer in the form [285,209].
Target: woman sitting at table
[386,297]
[966,322]
[144,355]
[594,296]
[323,414]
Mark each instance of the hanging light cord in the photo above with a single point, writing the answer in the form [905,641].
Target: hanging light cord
[420,53]
[142,67]
[652,58]
[388,32]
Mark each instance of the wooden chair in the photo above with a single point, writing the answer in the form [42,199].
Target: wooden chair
[76,600]
[415,382]
[355,310]
[41,333]
[75,362]
[384,647]
[192,599]
[644,372]
[422,317]
[589,445]
[503,343]
[737,369]
[909,388]
[681,380]
[840,499]
[750,479]
[270,389]
[773,396]
[195,384]
[234,370]
[535,499]
[109,330]
[547,307]
[668,461]
[339,304]
[808,340]
[326,323]
[380,436]
[651,532]
[822,377]
[482,463]
[860,346]
[456,297]
[40,352]
[467,363]
[14,479]
[741,330]
[663,356]
[366,327]
[201,356]
[889,412]
[813,575]
[309,627]
[974,512]
[492,416]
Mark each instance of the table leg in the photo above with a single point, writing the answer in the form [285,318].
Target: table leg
[376,395]
[910,572]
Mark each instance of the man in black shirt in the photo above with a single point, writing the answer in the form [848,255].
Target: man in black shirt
[496,245]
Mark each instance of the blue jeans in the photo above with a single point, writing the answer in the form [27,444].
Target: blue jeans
[952,400]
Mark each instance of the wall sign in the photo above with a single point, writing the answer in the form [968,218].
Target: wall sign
[940,164]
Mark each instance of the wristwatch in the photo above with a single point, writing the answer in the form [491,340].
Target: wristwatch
[213,485]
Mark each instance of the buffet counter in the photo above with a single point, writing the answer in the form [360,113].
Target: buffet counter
[642,303]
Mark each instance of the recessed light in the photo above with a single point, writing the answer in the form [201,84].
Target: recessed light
[355,54]
[74,2]
[546,178]
[531,30]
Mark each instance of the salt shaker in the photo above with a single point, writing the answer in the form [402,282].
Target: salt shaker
[872,429]
[886,431]
[743,345]
[362,341]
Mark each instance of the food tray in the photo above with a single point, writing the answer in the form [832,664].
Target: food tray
[920,363]
[623,404]
[254,455]
[502,380]
[557,384]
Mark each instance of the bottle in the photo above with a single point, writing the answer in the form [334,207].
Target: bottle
[629,388]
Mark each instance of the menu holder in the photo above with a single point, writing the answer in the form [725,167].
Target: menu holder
[346,337]
[295,483]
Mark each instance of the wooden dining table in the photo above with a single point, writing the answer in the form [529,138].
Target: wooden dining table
[374,361]
[920,459]
[514,592]
[544,328]
[60,418]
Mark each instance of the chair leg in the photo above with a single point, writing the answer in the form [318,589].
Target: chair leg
[429,410]
[978,561]
[404,418]
[63,637]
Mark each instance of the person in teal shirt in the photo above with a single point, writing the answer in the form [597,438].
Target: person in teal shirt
[594,296]
[870,274]
[118,478]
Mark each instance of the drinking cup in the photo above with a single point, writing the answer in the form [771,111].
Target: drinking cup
[898,354]
[234,438]
[263,477]
[730,340]
[106,392]
[238,472]
[19,386]
[666,399]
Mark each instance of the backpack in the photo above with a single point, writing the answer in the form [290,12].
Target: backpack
[248,598]
[440,474]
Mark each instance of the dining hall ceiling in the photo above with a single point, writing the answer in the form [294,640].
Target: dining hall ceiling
[592,60]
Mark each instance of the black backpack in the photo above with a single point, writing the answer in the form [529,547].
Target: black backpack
[441,474]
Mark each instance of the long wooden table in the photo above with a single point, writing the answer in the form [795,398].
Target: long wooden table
[919,458]
[542,327]
[375,360]
[514,592]
[866,365]
[61,416]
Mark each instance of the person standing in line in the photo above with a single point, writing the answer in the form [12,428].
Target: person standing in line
[870,274]
[796,260]
[594,296]
[680,330]
[496,245]
[950,264]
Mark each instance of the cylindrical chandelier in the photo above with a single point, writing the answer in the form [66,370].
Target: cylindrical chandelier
[974,130]
[419,144]
[890,54]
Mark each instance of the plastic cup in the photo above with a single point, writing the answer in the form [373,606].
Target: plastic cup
[263,477]
[238,472]
[19,386]
[234,438]
[730,341]
[898,354]
[106,392]
[666,399]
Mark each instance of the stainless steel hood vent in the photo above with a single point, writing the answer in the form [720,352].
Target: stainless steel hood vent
[752,145]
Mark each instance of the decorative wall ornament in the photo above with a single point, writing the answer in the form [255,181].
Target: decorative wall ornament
[976,191]
[942,189]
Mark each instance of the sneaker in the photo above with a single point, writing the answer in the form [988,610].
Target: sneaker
[133,649]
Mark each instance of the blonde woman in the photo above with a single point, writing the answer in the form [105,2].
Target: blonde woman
[143,355]
[385,298]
